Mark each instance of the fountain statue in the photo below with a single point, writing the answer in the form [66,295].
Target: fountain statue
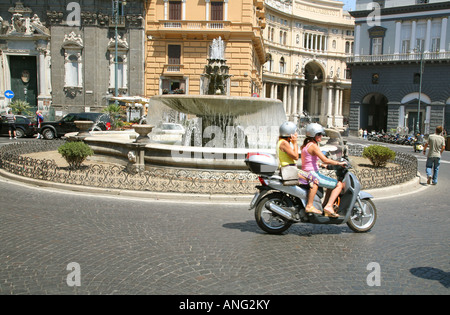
[216,71]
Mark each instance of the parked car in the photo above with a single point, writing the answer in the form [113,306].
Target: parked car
[169,129]
[55,129]
[168,133]
[24,126]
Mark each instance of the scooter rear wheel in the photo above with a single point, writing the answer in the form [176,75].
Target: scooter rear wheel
[362,220]
[267,220]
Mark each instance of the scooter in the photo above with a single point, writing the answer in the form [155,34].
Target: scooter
[277,206]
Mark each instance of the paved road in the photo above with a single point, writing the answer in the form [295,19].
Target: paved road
[131,246]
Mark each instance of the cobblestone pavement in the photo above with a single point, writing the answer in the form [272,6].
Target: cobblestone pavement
[146,247]
[131,246]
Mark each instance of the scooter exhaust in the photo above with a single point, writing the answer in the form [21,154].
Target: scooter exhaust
[280,211]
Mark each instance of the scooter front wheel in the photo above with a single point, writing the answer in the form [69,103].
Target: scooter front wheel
[363,216]
[267,220]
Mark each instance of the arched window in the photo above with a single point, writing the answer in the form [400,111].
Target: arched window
[72,66]
[282,65]
[73,63]
[122,65]
[347,47]
[269,63]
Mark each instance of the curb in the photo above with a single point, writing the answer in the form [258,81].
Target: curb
[174,197]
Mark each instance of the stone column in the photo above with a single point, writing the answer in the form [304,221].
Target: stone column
[294,103]
[443,34]
[285,101]
[428,37]
[329,106]
[398,30]
[300,103]
[357,39]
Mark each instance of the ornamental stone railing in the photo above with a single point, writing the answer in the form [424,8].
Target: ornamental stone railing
[172,179]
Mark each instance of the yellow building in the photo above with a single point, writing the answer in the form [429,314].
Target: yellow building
[179,33]
[307,43]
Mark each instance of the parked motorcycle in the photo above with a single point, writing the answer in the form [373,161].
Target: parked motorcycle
[277,206]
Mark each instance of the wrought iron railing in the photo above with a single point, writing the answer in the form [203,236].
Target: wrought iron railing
[170,179]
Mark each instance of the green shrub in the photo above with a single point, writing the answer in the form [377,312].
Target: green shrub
[75,152]
[378,155]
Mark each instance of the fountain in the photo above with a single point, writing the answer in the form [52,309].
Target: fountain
[219,129]
[234,121]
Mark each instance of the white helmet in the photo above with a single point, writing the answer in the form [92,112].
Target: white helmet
[313,129]
[287,129]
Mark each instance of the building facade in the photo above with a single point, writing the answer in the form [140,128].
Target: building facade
[401,66]
[60,55]
[307,43]
[178,37]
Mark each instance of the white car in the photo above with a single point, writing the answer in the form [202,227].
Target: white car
[168,133]
[170,128]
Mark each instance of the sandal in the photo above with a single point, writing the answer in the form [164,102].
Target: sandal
[313,210]
[330,213]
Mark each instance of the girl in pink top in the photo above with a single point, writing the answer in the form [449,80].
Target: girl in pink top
[310,153]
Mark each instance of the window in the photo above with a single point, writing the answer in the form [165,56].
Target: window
[120,72]
[416,79]
[72,66]
[174,54]
[420,36]
[377,46]
[282,65]
[435,36]
[406,37]
[347,47]
[375,78]
[175,10]
[270,63]
[216,11]
[122,65]
[73,47]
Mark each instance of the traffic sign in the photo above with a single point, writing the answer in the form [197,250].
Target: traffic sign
[9,94]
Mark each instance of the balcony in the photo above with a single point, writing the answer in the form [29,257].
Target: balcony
[173,70]
[401,58]
[191,25]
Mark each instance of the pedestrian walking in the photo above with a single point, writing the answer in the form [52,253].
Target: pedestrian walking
[11,120]
[39,119]
[436,145]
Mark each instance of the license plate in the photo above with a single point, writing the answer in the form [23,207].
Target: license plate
[255,198]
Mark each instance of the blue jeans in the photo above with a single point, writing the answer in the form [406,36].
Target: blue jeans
[433,164]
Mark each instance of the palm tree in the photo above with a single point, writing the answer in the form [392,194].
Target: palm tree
[115,113]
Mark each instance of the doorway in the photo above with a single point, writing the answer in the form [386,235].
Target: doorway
[23,71]
[374,110]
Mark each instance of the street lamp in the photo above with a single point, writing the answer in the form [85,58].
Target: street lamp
[420,92]
[116,7]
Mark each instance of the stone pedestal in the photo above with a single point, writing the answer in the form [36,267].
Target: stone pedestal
[84,127]
[143,131]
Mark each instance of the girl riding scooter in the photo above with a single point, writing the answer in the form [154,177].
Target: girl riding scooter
[310,155]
